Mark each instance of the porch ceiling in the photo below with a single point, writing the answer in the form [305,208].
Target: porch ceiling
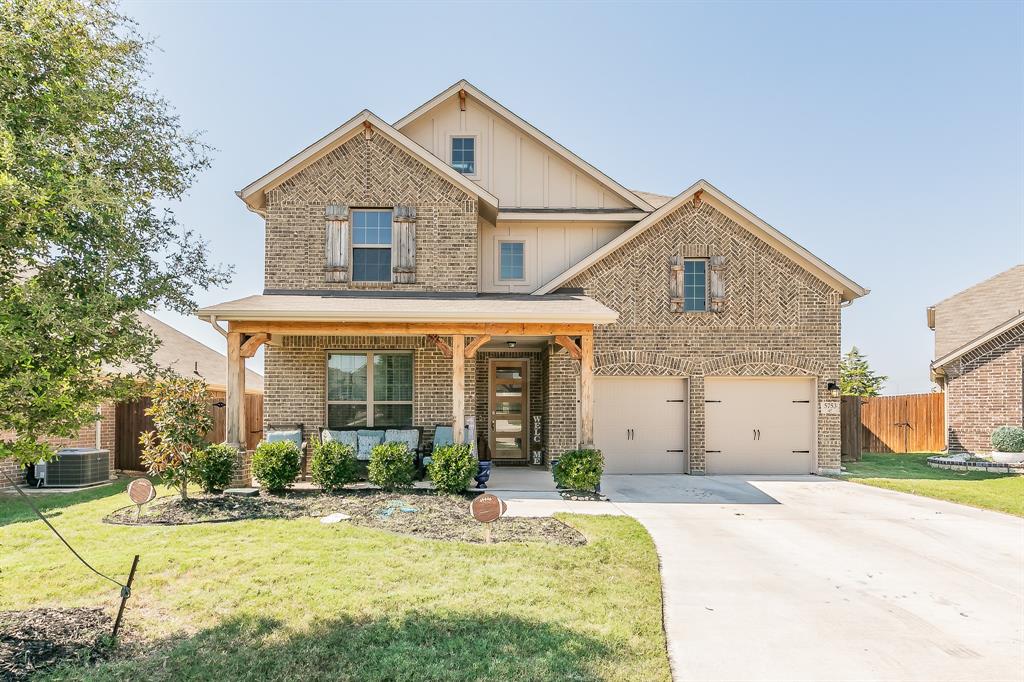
[413,307]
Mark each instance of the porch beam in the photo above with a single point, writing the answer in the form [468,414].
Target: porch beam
[408,328]
[458,387]
[445,349]
[473,347]
[234,418]
[587,389]
[567,343]
[253,343]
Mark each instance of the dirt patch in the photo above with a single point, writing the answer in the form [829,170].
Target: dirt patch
[420,513]
[37,639]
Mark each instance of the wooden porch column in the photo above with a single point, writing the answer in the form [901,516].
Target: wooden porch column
[587,388]
[458,387]
[234,419]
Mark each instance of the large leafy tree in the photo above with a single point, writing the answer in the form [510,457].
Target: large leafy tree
[857,378]
[88,155]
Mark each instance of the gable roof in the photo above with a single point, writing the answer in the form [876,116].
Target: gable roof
[978,342]
[530,130]
[958,319]
[254,194]
[849,289]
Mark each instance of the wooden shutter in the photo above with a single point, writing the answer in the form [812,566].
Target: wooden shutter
[716,283]
[336,243]
[403,245]
[675,285]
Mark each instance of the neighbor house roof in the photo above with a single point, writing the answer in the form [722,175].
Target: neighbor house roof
[190,358]
[849,289]
[967,314]
[412,307]
[977,342]
[530,130]
[254,194]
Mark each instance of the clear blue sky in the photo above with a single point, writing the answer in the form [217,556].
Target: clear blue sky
[887,138]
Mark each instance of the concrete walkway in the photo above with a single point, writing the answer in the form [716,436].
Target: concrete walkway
[807,578]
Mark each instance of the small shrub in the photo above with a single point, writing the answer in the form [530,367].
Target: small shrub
[332,465]
[1008,439]
[452,468]
[580,469]
[212,467]
[391,466]
[276,464]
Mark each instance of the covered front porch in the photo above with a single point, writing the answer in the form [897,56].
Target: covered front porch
[512,375]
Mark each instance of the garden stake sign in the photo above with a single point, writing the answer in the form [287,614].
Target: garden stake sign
[487,509]
[141,491]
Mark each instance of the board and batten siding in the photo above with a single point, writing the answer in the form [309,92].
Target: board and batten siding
[510,164]
[549,249]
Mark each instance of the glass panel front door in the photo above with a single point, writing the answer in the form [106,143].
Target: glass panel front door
[508,401]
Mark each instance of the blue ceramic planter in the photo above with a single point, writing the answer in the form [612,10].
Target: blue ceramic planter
[483,474]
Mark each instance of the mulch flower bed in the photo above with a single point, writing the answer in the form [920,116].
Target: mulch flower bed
[36,639]
[420,513]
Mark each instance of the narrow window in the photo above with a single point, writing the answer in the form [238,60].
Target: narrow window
[695,285]
[464,154]
[511,255]
[371,389]
[371,246]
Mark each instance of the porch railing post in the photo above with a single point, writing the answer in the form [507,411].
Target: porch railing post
[458,387]
[234,419]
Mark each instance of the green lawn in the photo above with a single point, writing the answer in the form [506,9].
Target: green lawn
[910,473]
[297,599]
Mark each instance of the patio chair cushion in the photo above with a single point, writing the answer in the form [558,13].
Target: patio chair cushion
[294,435]
[349,438]
[443,435]
[368,440]
[411,437]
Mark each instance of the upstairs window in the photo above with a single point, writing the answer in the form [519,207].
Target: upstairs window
[695,284]
[512,261]
[464,154]
[371,245]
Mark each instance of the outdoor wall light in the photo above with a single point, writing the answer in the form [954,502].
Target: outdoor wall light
[510,344]
[833,388]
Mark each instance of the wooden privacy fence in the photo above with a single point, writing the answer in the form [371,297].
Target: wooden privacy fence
[850,428]
[903,423]
[131,420]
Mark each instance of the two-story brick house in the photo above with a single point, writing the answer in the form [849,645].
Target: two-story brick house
[462,266]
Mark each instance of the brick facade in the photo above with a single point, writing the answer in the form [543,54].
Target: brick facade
[370,174]
[85,438]
[777,320]
[983,392]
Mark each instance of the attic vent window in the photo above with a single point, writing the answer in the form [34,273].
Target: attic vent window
[464,155]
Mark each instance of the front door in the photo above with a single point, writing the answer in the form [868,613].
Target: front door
[508,401]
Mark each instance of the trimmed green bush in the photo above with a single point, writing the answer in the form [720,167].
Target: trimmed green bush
[332,465]
[276,465]
[1008,439]
[212,468]
[580,469]
[391,466]
[452,468]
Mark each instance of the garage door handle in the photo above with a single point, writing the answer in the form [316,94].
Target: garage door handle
[802,401]
[678,451]
[713,451]
[801,452]
[712,401]
[681,400]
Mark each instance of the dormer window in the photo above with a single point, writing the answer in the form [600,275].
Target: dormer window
[464,155]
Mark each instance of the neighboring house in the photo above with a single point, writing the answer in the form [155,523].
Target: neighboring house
[979,346]
[119,423]
[462,266]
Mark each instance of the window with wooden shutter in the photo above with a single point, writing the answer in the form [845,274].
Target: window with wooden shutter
[403,248]
[696,281]
[336,243]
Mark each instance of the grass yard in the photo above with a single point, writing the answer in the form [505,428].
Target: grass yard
[910,473]
[294,598]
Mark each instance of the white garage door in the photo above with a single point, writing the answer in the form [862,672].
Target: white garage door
[640,424]
[759,425]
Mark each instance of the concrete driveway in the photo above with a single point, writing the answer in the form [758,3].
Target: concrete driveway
[808,578]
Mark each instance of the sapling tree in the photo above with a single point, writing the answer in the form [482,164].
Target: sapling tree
[181,416]
[857,378]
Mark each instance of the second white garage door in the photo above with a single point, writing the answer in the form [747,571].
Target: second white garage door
[640,424]
[762,425]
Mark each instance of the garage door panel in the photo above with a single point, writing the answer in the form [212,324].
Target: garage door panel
[640,424]
[758,425]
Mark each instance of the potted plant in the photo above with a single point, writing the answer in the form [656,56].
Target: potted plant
[1008,444]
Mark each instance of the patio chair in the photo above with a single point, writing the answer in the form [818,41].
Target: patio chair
[444,434]
[290,432]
